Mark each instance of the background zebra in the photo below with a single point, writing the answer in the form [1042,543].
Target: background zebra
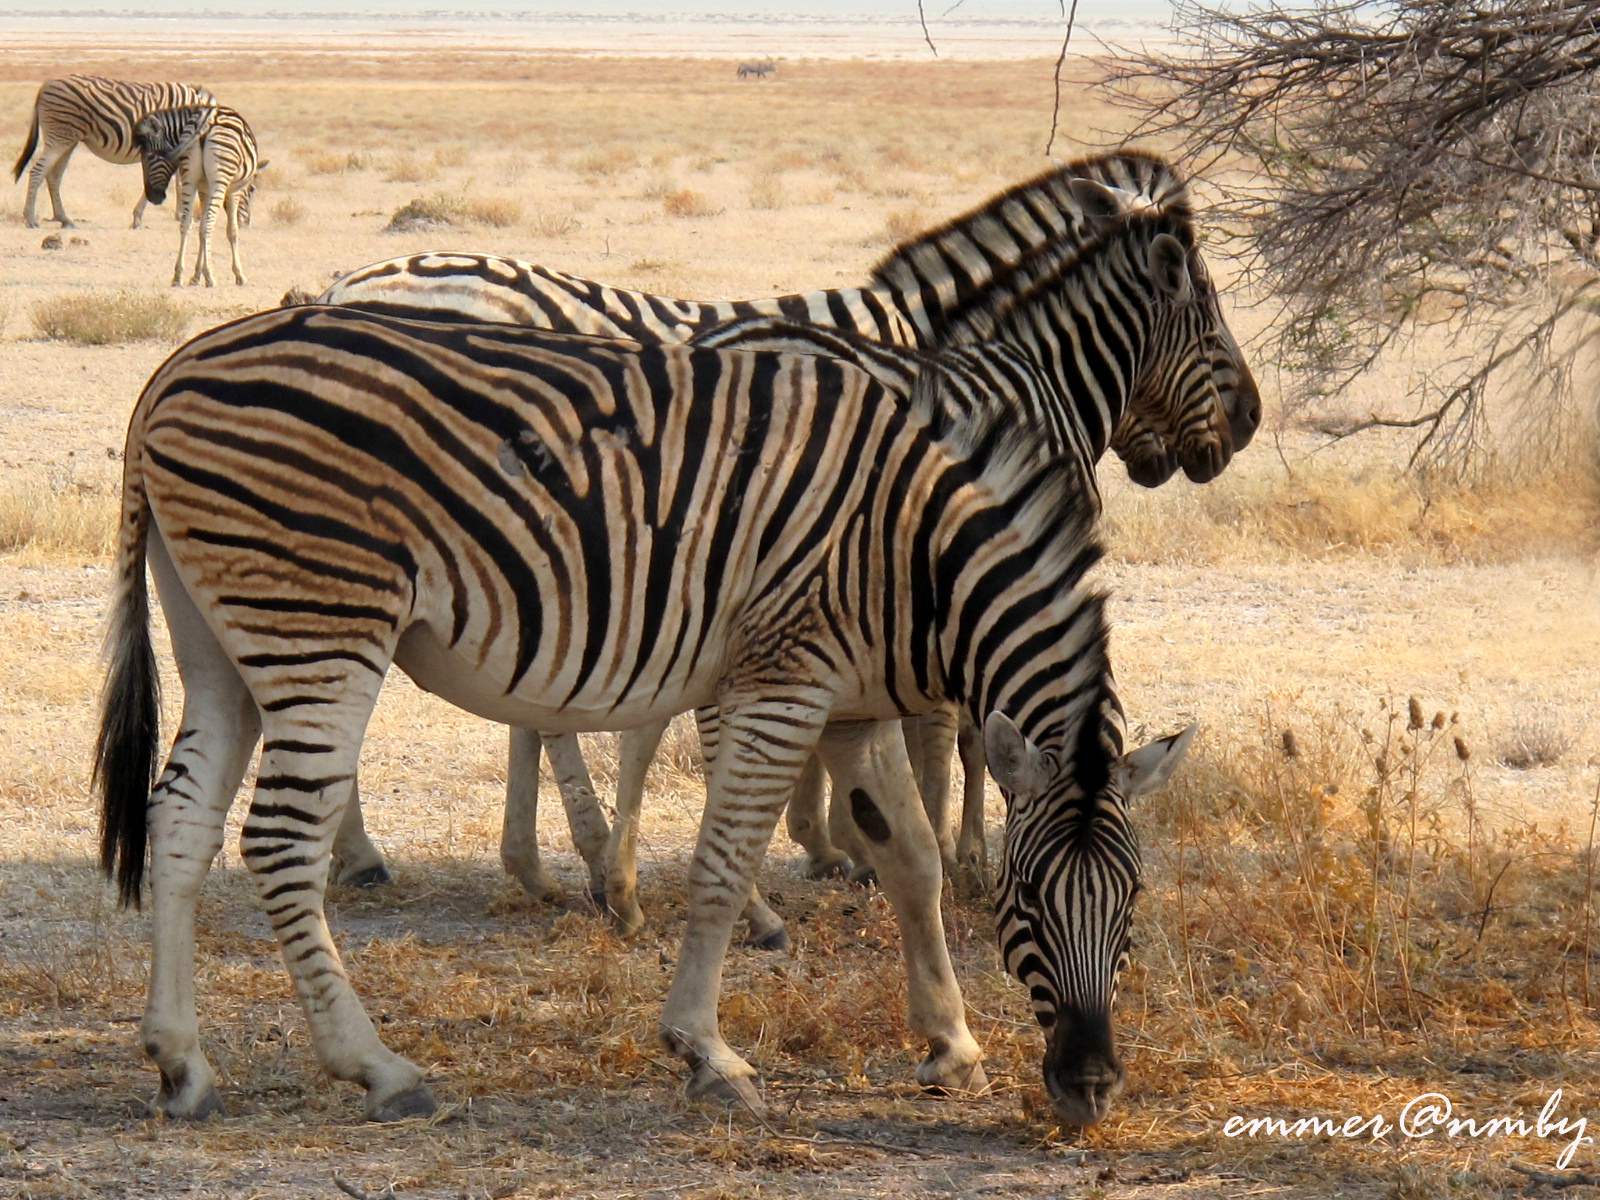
[213,152]
[100,113]
[758,70]
[915,298]
[566,532]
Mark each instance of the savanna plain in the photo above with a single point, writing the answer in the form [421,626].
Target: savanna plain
[1371,880]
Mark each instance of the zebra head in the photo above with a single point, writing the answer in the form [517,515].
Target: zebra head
[1194,402]
[1068,879]
[163,138]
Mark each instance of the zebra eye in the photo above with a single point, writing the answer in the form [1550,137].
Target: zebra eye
[1028,895]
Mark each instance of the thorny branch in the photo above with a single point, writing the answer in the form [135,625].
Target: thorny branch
[1396,166]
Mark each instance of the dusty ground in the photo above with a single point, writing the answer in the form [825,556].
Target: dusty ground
[537,1024]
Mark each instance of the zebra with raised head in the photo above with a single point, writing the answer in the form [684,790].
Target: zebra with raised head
[100,114]
[915,298]
[569,533]
[212,151]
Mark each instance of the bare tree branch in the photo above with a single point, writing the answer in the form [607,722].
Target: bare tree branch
[1381,158]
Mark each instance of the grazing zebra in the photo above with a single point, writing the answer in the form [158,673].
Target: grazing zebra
[213,153]
[569,533]
[100,113]
[758,69]
[915,298]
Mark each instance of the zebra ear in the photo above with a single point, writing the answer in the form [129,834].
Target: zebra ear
[1169,266]
[1100,204]
[1016,763]
[1144,770]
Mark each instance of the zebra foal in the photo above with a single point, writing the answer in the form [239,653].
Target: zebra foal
[212,151]
[919,296]
[99,113]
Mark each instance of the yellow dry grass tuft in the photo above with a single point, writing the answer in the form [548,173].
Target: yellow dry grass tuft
[687,202]
[111,318]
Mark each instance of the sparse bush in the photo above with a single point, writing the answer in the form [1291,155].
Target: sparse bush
[445,208]
[1538,740]
[554,222]
[408,168]
[688,203]
[902,224]
[288,211]
[497,213]
[457,155]
[56,518]
[109,318]
[324,162]
[766,190]
[608,162]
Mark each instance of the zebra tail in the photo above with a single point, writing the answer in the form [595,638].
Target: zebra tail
[27,151]
[130,704]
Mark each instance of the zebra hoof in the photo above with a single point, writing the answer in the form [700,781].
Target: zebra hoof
[776,940]
[627,919]
[415,1102]
[708,1086]
[368,877]
[952,1079]
[827,868]
[208,1106]
[863,876]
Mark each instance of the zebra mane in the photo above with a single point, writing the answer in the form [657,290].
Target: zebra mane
[1148,183]
[169,132]
[1047,268]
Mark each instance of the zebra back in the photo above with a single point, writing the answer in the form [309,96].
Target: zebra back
[904,304]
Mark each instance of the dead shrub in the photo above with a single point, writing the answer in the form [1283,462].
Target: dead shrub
[288,211]
[111,318]
[689,203]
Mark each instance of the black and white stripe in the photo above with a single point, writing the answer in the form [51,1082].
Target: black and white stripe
[212,152]
[97,113]
[568,533]
[923,295]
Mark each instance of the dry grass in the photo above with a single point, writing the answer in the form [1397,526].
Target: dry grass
[689,203]
[111,318]
[287,211]
[52,520]
[454,209]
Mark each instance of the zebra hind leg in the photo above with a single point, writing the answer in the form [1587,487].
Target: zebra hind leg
[808,825]
[636,749]
[584,817]
[519,831]
[359,863]
[870,766]
[186,814]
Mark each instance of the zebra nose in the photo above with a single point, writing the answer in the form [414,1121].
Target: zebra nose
[1244,418]
[1082,1071]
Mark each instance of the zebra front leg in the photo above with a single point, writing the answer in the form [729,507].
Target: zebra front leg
[636,750]
[138,212]
[185,219]
[869,765]
[808,825]
[519,831]
[361,864]
[761,750]
[972,877]
[588,824]
[308,762]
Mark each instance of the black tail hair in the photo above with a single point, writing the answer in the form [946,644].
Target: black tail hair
[130,721]
[27,151]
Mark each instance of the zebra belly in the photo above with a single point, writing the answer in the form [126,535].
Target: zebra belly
[454,676]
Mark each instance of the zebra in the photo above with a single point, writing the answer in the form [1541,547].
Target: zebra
[760,70]
[100,113]
[913,299]
[565,532]
[213,152]
[568,533]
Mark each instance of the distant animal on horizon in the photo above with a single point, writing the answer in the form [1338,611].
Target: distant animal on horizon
[759,69]
[213,152]
[100,113]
